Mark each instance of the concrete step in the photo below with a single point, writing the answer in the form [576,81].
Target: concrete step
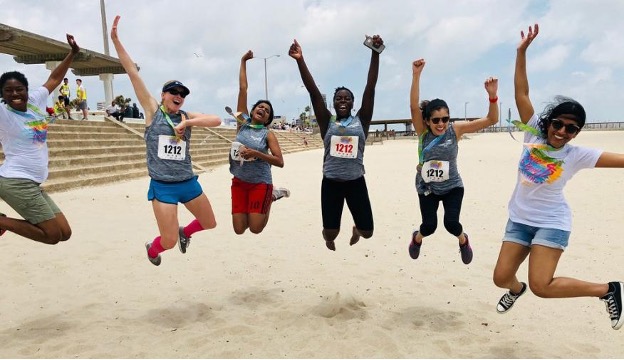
[93,169]
[59,151]
[61,184]
[101,158]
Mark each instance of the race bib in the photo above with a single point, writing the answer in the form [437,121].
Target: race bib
[344,146]
[235,153]
[435,171]
[171,148]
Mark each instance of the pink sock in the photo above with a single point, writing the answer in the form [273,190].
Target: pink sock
[156,248]
[192,228]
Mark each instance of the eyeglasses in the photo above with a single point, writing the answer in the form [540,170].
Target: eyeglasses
[444,120]
[557,124]
[175,92]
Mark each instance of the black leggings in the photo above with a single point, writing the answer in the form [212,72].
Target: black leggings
[333,196]
[451,201]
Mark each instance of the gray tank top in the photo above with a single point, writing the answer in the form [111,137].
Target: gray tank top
[170,166]
[344,149]
[443,149]
[256,171]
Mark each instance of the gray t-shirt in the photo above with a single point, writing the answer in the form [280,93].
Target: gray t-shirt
[167,167]
[256,171]
[444,148]
[344,149]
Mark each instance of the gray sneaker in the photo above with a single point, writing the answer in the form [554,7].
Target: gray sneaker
[153,260]
[507,301]
[613,302]
[279,193]
[184,242]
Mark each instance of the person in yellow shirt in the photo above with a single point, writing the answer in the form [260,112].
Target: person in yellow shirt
[59,107]
[81,94]
[65,92]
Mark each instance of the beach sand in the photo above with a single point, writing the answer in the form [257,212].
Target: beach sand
[282,294]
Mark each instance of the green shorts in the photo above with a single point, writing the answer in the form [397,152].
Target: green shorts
[28,199]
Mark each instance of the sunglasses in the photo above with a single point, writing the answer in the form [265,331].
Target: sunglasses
[175,92]
[557,124]
[444,120]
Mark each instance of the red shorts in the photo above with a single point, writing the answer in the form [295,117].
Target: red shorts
[250,198]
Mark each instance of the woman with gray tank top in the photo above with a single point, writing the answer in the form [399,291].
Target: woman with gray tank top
[344,137]
[251,161]
[437,178]
[168,138]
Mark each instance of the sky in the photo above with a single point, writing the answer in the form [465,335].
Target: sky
[579,52]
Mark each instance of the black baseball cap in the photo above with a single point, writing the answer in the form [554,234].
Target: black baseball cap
[174,84]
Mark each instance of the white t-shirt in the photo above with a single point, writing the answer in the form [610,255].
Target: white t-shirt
[23,136]
[538,197]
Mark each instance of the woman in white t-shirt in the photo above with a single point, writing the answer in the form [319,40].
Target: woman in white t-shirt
[539,217]
[23,134]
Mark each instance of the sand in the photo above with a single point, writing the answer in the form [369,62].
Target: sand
[282,294]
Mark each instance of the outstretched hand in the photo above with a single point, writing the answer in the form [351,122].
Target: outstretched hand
[491,86]
[528,39]
[72,42]
[377,41]
[295,51]
[114,35]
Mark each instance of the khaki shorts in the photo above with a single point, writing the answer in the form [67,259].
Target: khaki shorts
[28,199]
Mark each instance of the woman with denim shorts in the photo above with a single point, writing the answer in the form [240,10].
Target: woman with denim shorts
[437,177]
[540,219]
[167,139]
[23,135]
[253,153]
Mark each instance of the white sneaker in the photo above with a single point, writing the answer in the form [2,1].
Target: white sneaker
[279,193]
[153,260]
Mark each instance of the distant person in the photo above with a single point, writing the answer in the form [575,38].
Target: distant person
[113,110]
[168,139]
[540,219]
[59,107]
[344,138]
[253,153]
[437,177]
[135,111]
[66,94]
[81,95]
[23,136]
[127,111]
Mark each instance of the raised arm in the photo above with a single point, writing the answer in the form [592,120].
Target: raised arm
[417,118]
[57,75]
[368,97]
[465,127]
[323,115]
[242,83]
[148,103]
[521,81]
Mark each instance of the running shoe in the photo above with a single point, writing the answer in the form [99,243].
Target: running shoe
[153,260]
[466,251]
[279,193]
[414,249]
[184,241]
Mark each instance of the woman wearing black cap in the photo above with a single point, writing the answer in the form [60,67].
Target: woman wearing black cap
[168,137]
[437,178]
[540,219]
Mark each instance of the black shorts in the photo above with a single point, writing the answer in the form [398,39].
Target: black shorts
[333,196]
[66,100]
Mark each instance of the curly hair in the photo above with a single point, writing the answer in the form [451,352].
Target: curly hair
[271,113]
[15,75]
[563,107]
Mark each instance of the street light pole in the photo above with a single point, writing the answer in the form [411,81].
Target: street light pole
[266,86]
[465,105]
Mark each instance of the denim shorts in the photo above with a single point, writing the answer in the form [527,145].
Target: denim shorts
[528,235]
[174,192]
